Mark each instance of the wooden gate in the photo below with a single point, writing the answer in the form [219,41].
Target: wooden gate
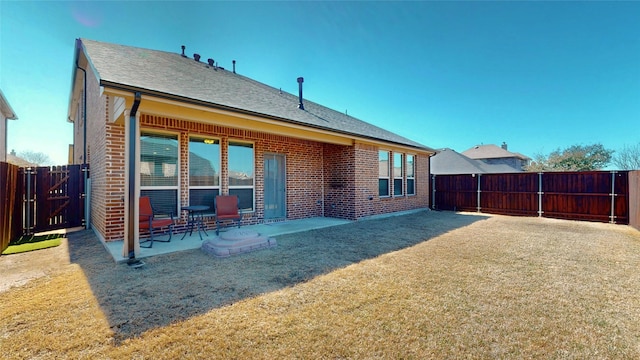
[52,198]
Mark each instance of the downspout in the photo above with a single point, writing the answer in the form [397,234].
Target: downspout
[84,116]
[6,138]
[131,192]
[84,140]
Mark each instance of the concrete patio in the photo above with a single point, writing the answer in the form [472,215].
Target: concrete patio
[193,241]
[273,229]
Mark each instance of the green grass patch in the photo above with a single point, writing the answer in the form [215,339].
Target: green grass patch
[33,242]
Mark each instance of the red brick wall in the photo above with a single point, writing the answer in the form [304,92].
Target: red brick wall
[105,156]
[366,196]
[304,174]
[349,181]
[367,185]
[303,165]
[339,183]
[351,186]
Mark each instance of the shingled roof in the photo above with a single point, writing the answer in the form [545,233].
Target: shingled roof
[450,162]
[164,73]
[491,152]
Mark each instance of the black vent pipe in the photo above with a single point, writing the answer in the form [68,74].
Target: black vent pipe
[300,104]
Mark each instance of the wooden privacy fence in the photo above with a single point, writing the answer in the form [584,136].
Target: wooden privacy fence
[37,199]
[594,196]
[634,199]
[10,216]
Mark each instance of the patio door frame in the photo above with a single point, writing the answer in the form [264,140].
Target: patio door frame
[275,188]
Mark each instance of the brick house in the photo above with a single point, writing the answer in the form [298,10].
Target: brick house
[194,130]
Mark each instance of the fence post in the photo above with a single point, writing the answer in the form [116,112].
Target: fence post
[433,194]
[479,191]
[612,217]
[27,227]
[83,194]
[540,194]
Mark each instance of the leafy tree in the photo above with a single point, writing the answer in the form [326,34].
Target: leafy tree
[37,158]
[573,158]
[628,158]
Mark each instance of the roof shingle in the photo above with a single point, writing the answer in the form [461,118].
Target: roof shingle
[174,75]
[491,152]
[450,162]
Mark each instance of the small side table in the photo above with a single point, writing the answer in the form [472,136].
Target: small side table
[194,218]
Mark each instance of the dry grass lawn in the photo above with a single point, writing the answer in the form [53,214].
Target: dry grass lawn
[427,285]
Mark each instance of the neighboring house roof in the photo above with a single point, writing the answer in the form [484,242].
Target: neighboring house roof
[5,108]
[451,162]
[170,74]
[491,152]
[16,160]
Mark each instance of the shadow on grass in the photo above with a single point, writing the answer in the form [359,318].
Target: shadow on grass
[174,287]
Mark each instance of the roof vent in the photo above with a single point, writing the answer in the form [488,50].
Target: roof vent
[234,66]
[210,61]
[196,57]
[183,47]
[300,104]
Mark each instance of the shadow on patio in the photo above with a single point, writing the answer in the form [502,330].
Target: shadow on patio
[177,286]
[182,241]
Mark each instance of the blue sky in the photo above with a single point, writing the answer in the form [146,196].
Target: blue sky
[537,75]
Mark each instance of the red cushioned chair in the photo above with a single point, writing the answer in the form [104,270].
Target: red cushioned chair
[149,222]
[226,207]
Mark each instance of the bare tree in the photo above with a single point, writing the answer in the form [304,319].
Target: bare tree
[628,158]
[37,158]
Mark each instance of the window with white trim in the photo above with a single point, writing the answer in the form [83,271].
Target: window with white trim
[241,173]
[411,175]
[159,170]
[204,170]
[383,173]
[398,172]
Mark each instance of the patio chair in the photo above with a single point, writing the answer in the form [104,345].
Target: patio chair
[226,207]
[149,221]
